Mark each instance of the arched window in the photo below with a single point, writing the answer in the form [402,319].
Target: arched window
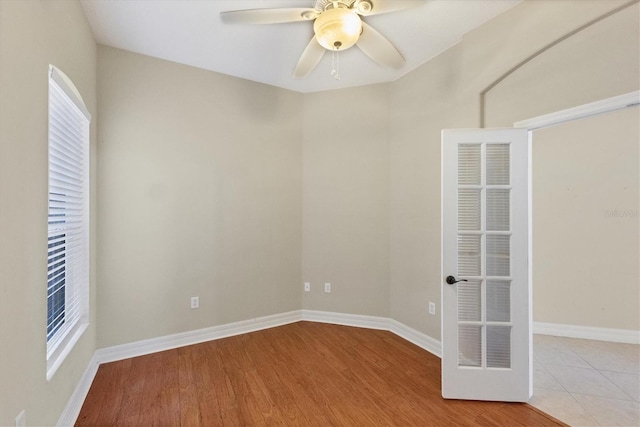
[68,219]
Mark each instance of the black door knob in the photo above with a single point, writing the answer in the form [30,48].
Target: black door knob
[452,280]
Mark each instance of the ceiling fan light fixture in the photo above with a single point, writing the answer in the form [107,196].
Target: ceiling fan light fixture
[337,29]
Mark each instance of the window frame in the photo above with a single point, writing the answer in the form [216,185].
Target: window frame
[74,243]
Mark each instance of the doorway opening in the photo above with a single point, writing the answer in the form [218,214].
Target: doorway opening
[585,249]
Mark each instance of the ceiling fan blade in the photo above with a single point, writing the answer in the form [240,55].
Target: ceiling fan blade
[269,16]
[311,56]
[388,6]
[377,47]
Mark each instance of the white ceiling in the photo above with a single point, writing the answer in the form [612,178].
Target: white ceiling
[190,32]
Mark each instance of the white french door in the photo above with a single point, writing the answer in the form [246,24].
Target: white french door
[486,288]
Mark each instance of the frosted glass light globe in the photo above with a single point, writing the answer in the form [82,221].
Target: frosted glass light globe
[337,29]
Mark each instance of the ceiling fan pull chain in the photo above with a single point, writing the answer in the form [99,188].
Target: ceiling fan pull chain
[335,63]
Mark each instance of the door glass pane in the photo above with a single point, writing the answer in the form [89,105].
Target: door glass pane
[469,345]
[469,255]
[469,301]
[498,301]
[469,210]
[469,164]
[499,346]
[498,164]
[498,255]
[498,209]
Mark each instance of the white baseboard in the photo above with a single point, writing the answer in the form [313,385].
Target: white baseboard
[74,405]
[168,342]
[356,320]
[423,341]
[140,348]
[587,332]
[420,339]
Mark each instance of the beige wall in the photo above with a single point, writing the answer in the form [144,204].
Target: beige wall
[346,200]
[199,189]
[445,92]
[34,34]
[585,222]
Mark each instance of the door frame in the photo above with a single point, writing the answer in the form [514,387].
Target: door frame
[603,106]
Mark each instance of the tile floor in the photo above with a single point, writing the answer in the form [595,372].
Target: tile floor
[587,383]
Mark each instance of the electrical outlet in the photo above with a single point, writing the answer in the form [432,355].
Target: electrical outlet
[195,302]
[21,420]
[307,287]
[432,308]
[327,288]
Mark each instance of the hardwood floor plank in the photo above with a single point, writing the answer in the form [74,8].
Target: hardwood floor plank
[130,408]
[278,384]
[160,397]
[294,379]
[222,385]
[207,408]
[302,374]
[98,409]
[236,364]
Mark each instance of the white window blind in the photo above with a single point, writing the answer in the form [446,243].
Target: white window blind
[68,219]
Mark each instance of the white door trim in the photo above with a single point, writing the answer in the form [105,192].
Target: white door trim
[594,108]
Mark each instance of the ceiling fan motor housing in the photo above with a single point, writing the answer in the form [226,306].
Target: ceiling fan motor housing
[337,29]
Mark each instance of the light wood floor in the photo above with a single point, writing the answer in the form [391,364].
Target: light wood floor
[307,374]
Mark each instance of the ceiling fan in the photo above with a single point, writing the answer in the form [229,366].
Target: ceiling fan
[337,25]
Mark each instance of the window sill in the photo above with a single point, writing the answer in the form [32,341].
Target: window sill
[64,348]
